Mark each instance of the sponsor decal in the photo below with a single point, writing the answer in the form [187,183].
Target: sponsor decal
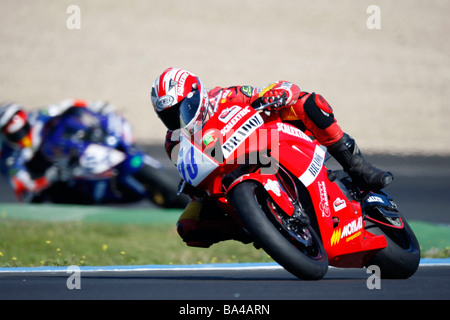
[262,90]
[247,91]
[228,113]
[293,131]
[164,102]
[241,134]
[180,87]
[323,205]
[350,231]
[375,199]
[286,85]
[234,120]
[226,94]
[314,167]
[339,204]
[172,83]
[273,186]
[207,139]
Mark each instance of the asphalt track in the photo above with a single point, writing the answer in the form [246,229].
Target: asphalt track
[221,282]
[420,189]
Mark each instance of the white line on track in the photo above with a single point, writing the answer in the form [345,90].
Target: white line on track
[426,262]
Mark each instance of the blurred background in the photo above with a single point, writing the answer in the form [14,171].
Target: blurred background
[388,86]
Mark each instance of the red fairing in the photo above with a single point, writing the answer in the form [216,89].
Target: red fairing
[269,181]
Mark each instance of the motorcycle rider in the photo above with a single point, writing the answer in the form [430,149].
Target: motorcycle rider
[21,137]
[307,111]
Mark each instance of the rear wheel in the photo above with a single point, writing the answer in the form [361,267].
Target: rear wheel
[290,241]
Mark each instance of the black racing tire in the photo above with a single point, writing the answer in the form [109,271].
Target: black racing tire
[267,233]
[161,187]
[401,258]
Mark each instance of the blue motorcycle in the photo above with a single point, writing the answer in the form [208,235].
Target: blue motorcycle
[94,160]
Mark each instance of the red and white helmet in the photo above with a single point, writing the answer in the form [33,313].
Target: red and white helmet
[14,125]
[169,91]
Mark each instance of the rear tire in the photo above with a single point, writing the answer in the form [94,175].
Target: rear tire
[307,263]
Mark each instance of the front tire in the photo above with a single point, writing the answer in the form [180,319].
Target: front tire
[306,261]
[401,258]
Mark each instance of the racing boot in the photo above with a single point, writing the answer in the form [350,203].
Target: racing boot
[362,172]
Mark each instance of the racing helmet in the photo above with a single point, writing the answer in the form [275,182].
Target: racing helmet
[14,125]
[169,91]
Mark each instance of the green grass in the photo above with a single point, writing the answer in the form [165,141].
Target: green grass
[434,239]
[61,235]
[35,243]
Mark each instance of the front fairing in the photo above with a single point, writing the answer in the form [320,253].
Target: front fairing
[193,165]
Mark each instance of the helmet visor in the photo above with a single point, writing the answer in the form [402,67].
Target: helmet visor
[171,117]
[192,111]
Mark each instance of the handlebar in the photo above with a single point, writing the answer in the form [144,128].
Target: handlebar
[265,106]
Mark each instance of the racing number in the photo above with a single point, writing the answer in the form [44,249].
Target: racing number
[188,165]
[191,166]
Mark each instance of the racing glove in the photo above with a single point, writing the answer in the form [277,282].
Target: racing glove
[274,98]
[278,94]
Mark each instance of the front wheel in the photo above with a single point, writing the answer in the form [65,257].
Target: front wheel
[294,245]
[401,258]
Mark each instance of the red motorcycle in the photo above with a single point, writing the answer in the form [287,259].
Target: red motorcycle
[272,178]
